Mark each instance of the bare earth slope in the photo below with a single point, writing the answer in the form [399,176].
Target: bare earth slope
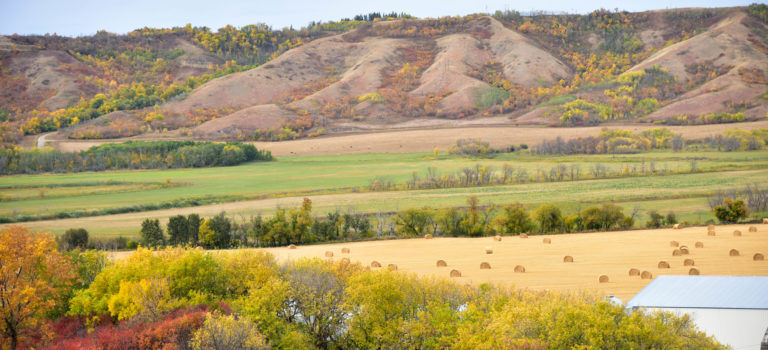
[725,44]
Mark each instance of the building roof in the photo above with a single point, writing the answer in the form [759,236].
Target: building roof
[706,292]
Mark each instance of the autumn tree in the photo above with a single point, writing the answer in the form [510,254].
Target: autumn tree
[32,273]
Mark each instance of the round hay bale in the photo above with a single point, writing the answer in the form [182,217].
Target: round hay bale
[752,229]
[758,257]
[693,271]
[455,273]
[674,244]
[392,267]
[345,260]
[688,262]
[737,233]
[646,275]
[328,254]
[485,266]
[676,252]
[519,268]
[710,233]
[375,264]
[684,251]
[344,250]
[441,263]
[567,259]
[663,265]
[523,235]
[733,252]
[634,272]
[676,226]
[603,279]
[699,245]
[711,227]
[765,220]
[497,238]
[488,250]
[428,236]
[546,241]
[292,246]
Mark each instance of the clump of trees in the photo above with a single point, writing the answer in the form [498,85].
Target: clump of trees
[130,155]
[248,300]
[733,205]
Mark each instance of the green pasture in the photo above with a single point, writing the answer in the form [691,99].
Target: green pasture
[339,182]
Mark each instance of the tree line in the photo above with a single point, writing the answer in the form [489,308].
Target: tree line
[130,155]
[300,226]
[190,299]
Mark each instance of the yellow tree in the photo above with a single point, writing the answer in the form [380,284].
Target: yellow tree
[32,273]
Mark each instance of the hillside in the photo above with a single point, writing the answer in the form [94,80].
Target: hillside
[674,67]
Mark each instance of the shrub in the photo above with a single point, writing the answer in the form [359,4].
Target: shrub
[550,218]
[731,211]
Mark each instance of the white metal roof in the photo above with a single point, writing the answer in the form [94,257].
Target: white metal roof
[717,292]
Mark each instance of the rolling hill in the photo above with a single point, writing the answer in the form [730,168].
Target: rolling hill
[675,67]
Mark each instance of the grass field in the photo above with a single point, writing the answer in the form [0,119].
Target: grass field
[594,254]
[338,182]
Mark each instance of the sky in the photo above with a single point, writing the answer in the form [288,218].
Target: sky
[86,17]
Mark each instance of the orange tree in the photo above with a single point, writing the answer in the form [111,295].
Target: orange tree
[32,274]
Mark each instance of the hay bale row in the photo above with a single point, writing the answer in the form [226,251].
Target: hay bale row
[737,233]
[758,257]
[519,269]
[567,259]
[752,229]
[292,246]
[688,262]
[441,263]
[634,272]
[344,250]
[546,241]
[497,238]
[733,252]
[646,275]
[693,271]
[485,266]
[488,250]
[375,264]
[663,264]
[328,254]
[699,245]
[603,279]
[455,273]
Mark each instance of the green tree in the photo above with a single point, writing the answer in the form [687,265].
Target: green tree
[222,228]
[549,218]
[513,219]
[671,218]
[655,220]
[731,211]
[193,228]
[75,238]
[414,222]
[178,230]
[151,233]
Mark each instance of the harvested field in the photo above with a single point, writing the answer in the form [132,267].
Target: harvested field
[599,253]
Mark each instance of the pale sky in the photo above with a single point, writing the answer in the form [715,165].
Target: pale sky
[85,17]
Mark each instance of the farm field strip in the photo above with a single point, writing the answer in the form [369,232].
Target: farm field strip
[566,194]
[310,175]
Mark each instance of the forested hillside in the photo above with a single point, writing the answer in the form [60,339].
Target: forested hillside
[679,66]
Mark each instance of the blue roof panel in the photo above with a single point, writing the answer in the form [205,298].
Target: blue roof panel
[721,292]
